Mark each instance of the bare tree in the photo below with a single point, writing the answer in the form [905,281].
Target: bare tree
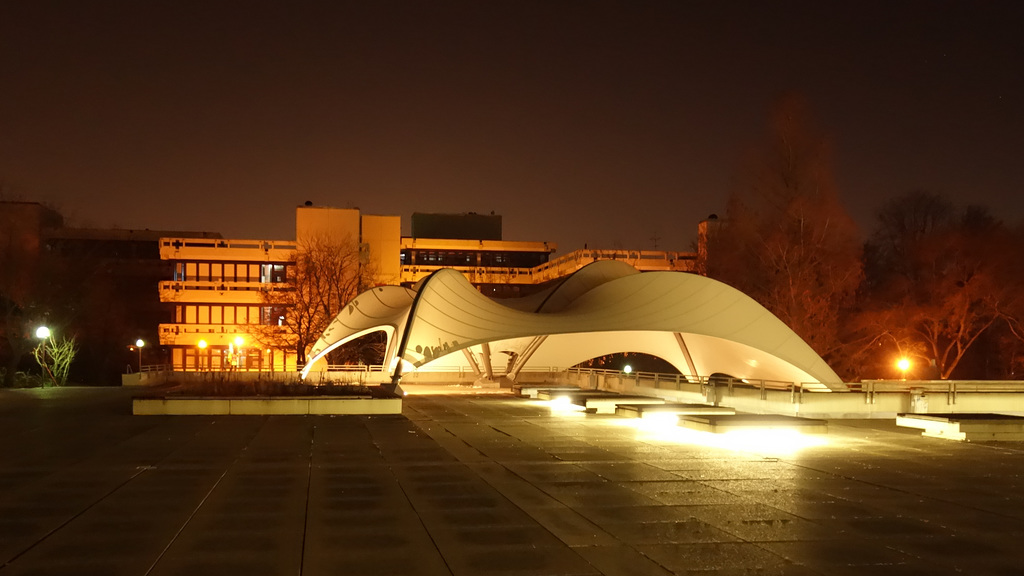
[55,358]
[786,240]
[323,277]
[940,278]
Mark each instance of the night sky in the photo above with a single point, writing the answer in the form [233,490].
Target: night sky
[618,124]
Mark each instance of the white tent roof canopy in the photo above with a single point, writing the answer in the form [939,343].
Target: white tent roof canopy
[699,325]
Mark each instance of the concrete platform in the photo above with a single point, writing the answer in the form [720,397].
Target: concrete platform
[483,485]
[549,394]
[966,427]
[719,424]
[608,404]
[596,401]
[533,390]
[647,410]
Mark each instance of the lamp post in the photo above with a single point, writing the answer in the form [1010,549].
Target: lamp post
[43,333]
[239,341]
[139,344]
[202,352]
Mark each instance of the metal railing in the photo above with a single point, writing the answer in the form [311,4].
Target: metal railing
[950,388]
[663,381]
[176,329]
[130,368]
[644,260]
[355,368]
[224,286]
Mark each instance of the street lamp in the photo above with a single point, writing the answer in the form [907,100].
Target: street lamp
[903,364]
[202,352]
[139,344]
[43,333]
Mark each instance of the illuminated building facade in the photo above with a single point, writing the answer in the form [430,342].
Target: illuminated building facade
[221,290]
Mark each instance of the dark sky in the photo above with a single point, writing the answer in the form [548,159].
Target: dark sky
[611,123]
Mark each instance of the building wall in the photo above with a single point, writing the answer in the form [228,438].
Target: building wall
[382,235]
[320,223]
[468,226]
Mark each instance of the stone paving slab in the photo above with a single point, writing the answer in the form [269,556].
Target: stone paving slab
[478,485]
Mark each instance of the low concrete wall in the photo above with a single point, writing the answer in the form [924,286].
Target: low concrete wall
[312,405]
[808,404]
[143,379]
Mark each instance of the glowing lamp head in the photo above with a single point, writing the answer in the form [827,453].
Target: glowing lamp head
[140,343]
[903,364]
[239,341]
[627,369]
[201,344]
[42,332]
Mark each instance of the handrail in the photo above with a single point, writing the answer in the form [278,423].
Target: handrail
[225,286]
[795,389]
[225,243]
[569,263]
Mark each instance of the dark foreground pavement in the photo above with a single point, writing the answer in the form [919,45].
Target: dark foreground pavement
[469,485]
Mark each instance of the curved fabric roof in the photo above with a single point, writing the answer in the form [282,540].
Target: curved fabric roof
[700,325]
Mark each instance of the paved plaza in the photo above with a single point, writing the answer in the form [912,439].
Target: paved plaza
[484,484]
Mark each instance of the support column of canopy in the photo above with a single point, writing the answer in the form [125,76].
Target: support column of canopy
[524,357]
[471,358]
[686,354]
[485,357]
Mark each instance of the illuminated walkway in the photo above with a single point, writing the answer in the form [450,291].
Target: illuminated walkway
[478,485]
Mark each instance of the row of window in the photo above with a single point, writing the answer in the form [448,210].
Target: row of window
[216,359]
[229,272]
[482,258]
[227,314]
